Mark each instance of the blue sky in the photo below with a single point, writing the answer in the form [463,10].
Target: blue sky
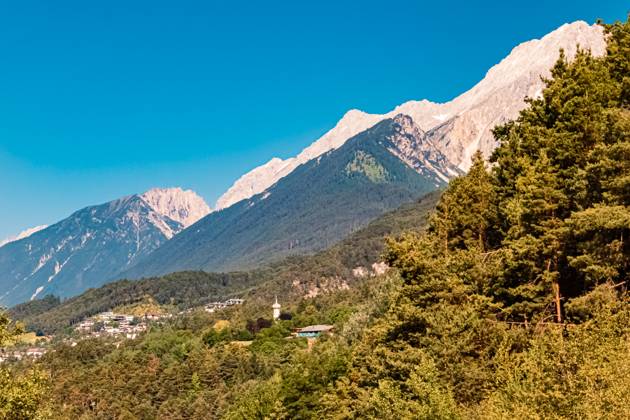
[103,99]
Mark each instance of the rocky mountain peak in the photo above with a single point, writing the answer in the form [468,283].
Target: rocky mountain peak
[404,124]
[182,206]
[410,144]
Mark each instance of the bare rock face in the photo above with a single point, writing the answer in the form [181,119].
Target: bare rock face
[457,128]
[412,145]
[500,96]
[183,207]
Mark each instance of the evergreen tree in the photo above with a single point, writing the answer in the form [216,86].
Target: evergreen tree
[467,211]
[558,165]
[543,231]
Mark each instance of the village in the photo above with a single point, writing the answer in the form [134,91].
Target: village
[116,325]
[111,324]
[104,324]
[128,326]
[20,354]
[216,306]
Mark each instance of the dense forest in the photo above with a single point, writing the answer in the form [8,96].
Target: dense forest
[513,303]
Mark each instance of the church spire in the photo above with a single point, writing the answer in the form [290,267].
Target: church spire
[276,309]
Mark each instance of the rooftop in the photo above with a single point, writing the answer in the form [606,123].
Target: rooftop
[316,328]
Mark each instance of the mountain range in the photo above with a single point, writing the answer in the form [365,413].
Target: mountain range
[459,127]
[365,166]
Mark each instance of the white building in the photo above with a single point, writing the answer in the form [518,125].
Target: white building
[85,326]
[231,302]
[276,309]
[105,316]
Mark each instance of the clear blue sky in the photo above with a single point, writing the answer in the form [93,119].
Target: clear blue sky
[99,99]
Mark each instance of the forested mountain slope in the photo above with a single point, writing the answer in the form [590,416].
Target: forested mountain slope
[318,204]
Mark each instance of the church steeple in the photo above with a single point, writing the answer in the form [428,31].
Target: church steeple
[276,309]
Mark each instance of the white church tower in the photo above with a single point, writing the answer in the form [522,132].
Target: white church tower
[276,309]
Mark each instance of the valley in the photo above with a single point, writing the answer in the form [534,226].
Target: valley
[457,260]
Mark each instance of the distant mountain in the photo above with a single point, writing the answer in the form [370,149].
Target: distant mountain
[94,244]
[319,203]
[24,234]
[458,128]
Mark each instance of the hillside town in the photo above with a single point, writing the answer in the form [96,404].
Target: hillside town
[118,324]
[216,306]
[107,324]
[128,327]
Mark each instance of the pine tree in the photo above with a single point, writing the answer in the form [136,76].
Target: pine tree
[546,228]
[565,155]
[467,210]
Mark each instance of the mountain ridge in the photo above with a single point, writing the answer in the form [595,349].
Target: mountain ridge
[471,115]
[342,264]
